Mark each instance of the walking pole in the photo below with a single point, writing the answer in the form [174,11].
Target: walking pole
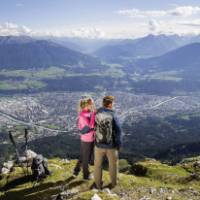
[14,144]
[26,148]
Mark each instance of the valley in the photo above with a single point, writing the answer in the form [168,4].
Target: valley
[155,80]
[151,123]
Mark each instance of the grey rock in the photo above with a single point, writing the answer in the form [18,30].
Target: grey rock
[145,198]
[162,191]
[96,197]
[169,198]
[5,170]
[8,164]
[152,190]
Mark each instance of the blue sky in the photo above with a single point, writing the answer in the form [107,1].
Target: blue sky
[99,18]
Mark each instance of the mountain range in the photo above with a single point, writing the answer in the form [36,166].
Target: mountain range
[26,53]
[133,64]
[148,46]
[183,58]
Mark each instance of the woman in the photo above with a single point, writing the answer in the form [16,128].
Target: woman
[86,119]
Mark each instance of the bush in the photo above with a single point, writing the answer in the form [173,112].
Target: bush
[124,166]
[138,170]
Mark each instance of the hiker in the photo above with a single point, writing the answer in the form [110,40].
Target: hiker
[107,141]
[86,119]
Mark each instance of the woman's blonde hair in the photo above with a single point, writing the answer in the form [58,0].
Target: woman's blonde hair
[84,102]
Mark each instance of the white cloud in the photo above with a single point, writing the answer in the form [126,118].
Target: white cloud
[121,30]
[153,25]
[191,23]
[140,13]
[177,20]
[88,32]
[183,11]
[174,27]
[13,29]
[17,30]
[83,32]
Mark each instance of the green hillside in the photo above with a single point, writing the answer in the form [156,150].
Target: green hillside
[147,179]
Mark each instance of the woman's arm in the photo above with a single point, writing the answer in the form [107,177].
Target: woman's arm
[85,125]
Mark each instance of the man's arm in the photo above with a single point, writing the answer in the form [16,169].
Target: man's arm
[118,132]
[86,129]
[85,126]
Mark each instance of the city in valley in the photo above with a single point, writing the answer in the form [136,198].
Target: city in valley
[146,119]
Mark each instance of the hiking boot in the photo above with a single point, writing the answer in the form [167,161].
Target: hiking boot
[94,187]
[109,186]
[75,174]
[90,177]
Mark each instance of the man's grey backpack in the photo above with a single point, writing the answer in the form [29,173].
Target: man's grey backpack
[40,167]
[104,127]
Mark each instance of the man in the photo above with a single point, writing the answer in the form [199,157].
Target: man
[107,141]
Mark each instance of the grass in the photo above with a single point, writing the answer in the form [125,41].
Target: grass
[61,174]
[50,73]
[173,76]
[21,85]
[51,126]
[58,73]
[158,175]
[16,73]
[166,76]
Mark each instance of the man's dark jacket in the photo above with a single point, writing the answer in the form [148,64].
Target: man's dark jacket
[116,131]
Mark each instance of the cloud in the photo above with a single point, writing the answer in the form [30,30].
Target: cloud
[153,25]
[123,30]
[140,13]
[88,32]
[83,32]
[8,28]
[181,11]
[178,20]
[174,27]
[185,11]
[191,23]
[13,29]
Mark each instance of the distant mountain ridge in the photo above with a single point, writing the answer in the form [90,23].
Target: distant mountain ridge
[186,57]
[149,46]
[15,39]
[25,52]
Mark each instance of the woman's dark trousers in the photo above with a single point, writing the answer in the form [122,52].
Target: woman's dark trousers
[86,156]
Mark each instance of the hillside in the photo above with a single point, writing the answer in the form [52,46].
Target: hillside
[26,53]
[183,58]
[149,46]
[147,179]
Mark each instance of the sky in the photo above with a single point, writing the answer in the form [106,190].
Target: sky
[99,18]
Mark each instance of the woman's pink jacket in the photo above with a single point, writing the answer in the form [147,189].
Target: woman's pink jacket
[86,120]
